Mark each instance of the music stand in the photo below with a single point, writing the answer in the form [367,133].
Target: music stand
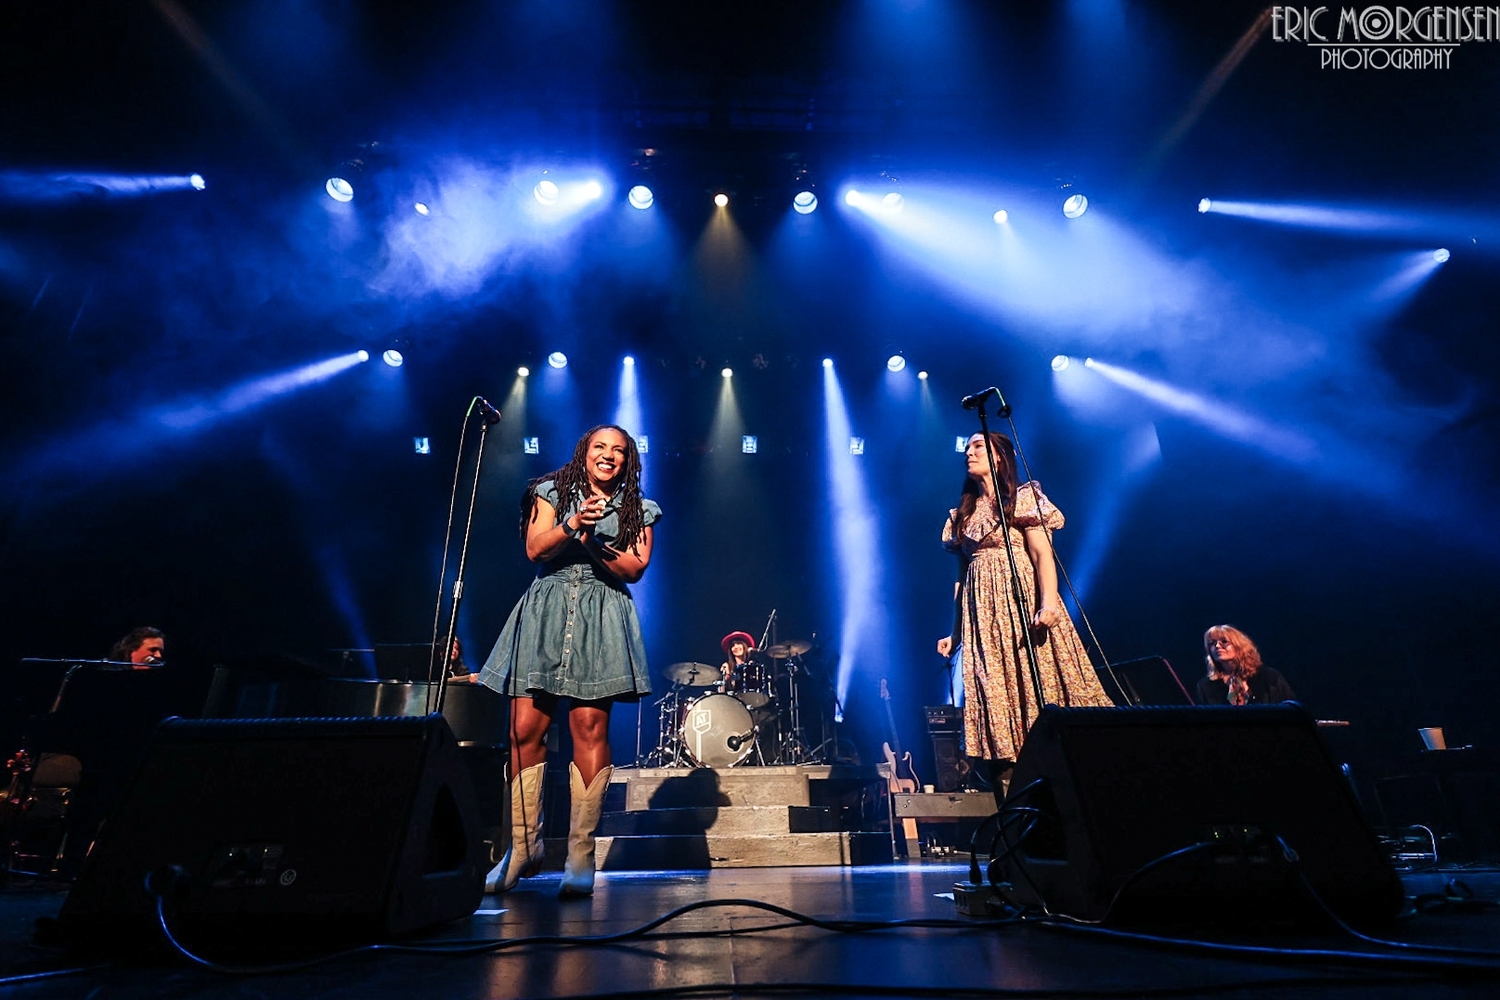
[1149,680]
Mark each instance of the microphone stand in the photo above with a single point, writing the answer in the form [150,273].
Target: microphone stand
[436,663]
[1018,594]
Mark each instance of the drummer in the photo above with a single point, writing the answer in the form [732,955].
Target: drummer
[739,652]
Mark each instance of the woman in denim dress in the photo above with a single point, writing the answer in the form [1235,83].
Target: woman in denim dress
[574,634]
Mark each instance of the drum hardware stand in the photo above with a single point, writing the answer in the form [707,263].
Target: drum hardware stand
[793,748]
[669,750]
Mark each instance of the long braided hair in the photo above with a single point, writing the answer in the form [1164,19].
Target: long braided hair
[573,478]
[1005,465]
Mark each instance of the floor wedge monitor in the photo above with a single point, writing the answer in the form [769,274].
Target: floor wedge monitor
[1169,814]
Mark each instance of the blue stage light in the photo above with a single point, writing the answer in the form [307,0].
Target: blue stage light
[545,192]
[1441,254]
[1001,217]
[1204,204]
[641,197]
[893,202]
[197,181]
[1061,362]
[339,189]
[422,209]
[895,363]
[557,359]
[393,358]
[1075,206]
[804,202]
[523,371]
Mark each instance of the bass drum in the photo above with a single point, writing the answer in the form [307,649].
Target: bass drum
[717,731]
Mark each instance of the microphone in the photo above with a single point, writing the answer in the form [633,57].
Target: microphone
[490,414]
[970,402]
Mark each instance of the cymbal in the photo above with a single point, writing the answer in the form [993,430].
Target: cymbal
[792,647]
[692,674]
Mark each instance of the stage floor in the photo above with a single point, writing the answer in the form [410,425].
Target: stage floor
[730,950]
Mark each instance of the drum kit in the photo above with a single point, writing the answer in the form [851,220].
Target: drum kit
[752,716]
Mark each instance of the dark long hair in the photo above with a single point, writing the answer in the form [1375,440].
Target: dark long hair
[573,477]
[132,641]
[1005,465]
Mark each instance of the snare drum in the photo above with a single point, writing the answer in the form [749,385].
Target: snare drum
[717,731]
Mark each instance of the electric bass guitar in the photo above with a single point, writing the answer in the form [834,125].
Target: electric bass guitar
[901,774]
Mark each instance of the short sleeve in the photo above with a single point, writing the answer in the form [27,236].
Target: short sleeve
[547,491]
[650,511]
[1034,510]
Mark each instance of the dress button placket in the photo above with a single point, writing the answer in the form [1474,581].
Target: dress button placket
[572,614]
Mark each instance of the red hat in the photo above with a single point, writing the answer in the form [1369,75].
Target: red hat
[734,637]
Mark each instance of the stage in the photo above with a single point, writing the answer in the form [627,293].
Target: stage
[529,944]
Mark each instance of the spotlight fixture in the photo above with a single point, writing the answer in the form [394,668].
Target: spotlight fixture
[856,446]
[363,355]
[1061,362]
[804,202]
[1204,205]
[523,371]
[726,372]
[197,181]
[421,446]
[641,197]
[1001,217]
[1441,254]
[531,446]
[628,361]
[721,199]
[922,375]
[827,362]
[591,190]
[749,444]
[422,209]
[393,358]
[557,359]
[545,192]
[1075,206]
[339,189]
[895,363]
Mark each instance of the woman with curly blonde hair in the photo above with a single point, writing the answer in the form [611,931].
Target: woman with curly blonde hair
[1236,675]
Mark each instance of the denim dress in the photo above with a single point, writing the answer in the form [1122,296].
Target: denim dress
[574,633]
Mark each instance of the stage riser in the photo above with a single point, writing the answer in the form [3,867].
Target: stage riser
[700,853]
[726,821]
[701,818]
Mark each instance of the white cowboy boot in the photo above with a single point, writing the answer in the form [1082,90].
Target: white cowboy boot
[526,849]
[588,803]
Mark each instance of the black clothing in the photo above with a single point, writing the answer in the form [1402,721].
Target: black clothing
[1267,687]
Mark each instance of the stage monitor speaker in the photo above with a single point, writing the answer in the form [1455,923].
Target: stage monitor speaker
[1118,790]
[277,833]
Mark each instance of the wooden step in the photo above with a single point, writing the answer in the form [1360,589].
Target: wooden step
[723,821]
[702,852]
